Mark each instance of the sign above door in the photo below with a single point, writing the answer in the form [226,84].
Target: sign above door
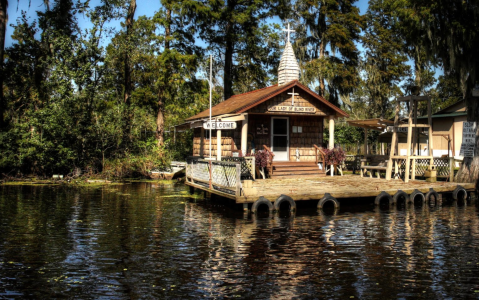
[292,109]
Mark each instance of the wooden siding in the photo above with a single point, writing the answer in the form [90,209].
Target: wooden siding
[230,140]
[312,134]
[301,100]
[259,118]
[256,122]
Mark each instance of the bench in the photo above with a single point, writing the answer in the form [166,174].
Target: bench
[376,163]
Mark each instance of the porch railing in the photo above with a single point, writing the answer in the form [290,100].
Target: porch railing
[221,176]
[247,166]
[319,155]
[353,162]
[444,166]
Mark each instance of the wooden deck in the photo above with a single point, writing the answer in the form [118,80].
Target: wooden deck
[229,180]
[340,187]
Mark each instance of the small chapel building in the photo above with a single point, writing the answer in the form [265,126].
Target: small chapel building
[288,118]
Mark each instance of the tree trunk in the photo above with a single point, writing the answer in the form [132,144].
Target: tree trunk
[469,171]
[129,24]
[160,117]
[168,28]
[3,29]
[160,121]
[322,86]
[228,81]
[229,37]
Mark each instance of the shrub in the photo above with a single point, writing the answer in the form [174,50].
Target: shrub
[261,158]
[334,156]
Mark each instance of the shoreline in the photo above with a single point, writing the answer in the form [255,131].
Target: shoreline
[84,182]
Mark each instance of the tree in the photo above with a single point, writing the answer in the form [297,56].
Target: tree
[452,31]
[447,92]
[334,24]
[230,28]
[129,25]
[385,61]
[3,28]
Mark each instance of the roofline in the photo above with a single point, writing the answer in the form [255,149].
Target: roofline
[272,94]
[286,87]
[253,91]
[447,107]
[449,115]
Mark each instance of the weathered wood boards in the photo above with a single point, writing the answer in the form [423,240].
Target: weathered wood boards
[349,186]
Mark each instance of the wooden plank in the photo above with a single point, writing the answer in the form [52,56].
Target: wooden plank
[226,195]
[348,186]
[414,125]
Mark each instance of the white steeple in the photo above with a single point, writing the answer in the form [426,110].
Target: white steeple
[288,66]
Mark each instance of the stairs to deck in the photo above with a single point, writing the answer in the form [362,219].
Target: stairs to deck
[296,170]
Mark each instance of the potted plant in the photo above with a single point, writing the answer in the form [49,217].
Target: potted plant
[334,157]
[262,159]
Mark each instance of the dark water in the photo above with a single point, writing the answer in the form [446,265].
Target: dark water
[146,241]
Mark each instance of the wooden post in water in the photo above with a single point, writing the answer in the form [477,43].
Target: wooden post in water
[452,162]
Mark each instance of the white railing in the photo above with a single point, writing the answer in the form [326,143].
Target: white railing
[216,175]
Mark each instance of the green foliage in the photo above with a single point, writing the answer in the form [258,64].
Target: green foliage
[334,24]
[63,88]
[148,158]
[64,93]
[236,31]
[385,60]
[447,92]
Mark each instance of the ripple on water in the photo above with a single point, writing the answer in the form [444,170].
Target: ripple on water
[145,241]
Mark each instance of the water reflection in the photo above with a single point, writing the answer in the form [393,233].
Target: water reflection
[155,241]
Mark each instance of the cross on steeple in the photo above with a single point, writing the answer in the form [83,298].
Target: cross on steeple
[288,31]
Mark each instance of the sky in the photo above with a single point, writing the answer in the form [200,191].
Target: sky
[144,8]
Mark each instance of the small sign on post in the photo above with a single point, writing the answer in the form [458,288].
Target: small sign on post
[222,125]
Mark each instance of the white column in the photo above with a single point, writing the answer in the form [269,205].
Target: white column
[331,138]
[218,144]
[244,135]
[331,132]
